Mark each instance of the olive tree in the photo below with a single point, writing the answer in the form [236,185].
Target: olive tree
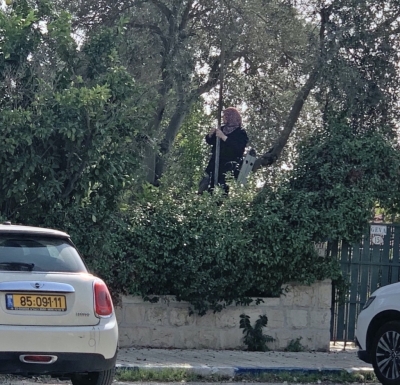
[70,133]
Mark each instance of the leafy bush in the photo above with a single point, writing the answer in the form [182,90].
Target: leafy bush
[212,250]
[295,346]
[254,338]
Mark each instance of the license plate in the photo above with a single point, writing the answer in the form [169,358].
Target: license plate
[35,301]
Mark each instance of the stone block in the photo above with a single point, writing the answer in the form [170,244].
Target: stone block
[187,339]
[134,315]
[209,339]
[303,298]
[228,318]
[124,338]
[325,295]
[119,314]
[180,317]
[205,321]
[300,295]
[276,318]
[276,343]
[156,315]
[281,340]
[253,312]
[138,336]
[322,341]
[130,299]
[287,297]
[163,337]
[270,302]
[315,339]
[169,300]
[298,318]
[320,319]
[232,339]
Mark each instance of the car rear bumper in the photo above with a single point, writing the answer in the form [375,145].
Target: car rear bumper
[101,339]
[66,364]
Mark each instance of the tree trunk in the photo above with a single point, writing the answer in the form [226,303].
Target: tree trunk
[272,155]
[175,123]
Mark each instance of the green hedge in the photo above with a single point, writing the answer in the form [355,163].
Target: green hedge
[208,250]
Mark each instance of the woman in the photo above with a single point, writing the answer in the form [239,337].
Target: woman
[233,141]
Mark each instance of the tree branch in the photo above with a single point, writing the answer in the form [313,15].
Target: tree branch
[273,154]
[151,27]
[211,82]
[163,8]
[185,16]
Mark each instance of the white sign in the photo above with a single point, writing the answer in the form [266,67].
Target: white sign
[377,240]
[321,247]
[378,230]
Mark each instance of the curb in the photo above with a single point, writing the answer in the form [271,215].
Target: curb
[231,371]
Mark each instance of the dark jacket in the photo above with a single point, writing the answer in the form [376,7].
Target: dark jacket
[231,150]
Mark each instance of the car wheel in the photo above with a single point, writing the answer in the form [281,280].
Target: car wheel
[94,378]
[385,353]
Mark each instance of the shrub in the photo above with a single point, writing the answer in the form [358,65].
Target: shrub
[254,338]
[295,346]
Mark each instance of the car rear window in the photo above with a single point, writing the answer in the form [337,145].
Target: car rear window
[38,253]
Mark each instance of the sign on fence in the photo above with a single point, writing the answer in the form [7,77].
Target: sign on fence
[321,248]
[378,230]
[377,233]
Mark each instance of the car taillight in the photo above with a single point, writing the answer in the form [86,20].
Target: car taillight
[102,300]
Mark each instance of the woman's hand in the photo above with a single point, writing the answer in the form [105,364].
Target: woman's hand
[220,134]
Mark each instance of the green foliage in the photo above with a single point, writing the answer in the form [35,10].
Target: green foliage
[162,375]
[254,338]
[341,174]
[69,136]
[299,376]
[190,151]
[295,346]
[213,251]
[189,247]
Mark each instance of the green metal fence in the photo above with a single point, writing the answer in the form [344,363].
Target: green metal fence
[369,264]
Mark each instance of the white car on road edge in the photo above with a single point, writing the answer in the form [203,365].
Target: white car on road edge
[378,333]
[56,318]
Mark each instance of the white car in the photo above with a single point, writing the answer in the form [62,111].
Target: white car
[55,317]
[378,333]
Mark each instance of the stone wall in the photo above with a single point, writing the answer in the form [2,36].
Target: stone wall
[302,312]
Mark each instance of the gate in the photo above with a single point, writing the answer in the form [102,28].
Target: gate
[367,265]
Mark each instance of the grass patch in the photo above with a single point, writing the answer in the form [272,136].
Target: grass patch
[183,375]
[309,378]
[162,375]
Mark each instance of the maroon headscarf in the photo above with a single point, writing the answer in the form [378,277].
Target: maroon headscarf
[233,120]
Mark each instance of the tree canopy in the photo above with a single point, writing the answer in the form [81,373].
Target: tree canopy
[70,130]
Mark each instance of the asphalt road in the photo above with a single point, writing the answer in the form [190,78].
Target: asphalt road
[20,381]
[16,380]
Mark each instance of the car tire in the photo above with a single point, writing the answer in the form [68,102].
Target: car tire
[105,377]
[385,353]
